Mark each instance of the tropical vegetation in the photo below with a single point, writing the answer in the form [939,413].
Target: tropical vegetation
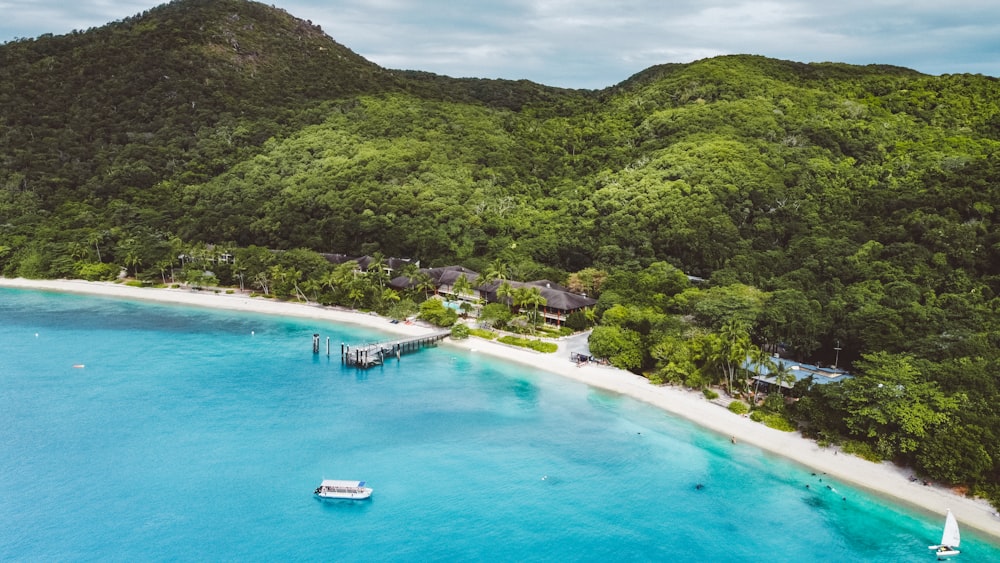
[728,208]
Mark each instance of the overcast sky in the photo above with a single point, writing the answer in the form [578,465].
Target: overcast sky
[598,43]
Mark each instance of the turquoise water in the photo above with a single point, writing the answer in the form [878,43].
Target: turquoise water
[195,435]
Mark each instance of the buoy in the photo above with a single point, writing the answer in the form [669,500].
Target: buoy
[78,365]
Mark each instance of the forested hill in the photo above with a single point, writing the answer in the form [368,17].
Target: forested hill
[829,206]
[182,91]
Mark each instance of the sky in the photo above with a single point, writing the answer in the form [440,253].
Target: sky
[598,43]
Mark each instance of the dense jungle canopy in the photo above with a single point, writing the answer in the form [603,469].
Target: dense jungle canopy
[827,206]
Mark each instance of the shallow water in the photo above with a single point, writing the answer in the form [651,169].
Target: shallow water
[193,434]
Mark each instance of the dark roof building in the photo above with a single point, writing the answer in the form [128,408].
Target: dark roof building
[559,302]
[389,264]
[441,277]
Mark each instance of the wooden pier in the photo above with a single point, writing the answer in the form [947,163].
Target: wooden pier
[367,355]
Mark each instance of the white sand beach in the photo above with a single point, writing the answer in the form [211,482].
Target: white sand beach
[883,479]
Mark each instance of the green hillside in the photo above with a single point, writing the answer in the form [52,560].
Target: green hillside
[838,213]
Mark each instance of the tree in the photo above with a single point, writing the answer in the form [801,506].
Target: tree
[893,405]
[760,361]
[131,254]
[956,453]
[262,280]
[403,309]
[587,281]
[505,293]
[376,271]
[497,315]
[461,286]
[425,285]
[782,374]
[530,297]
[621,347]
[434,312]
[676,362]
[733,349]
[497,270]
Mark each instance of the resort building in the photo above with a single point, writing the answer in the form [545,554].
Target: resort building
[792,372]
[389,265]
[560,302]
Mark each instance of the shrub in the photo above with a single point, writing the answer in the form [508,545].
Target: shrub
[739,407]
[773,420]
[434,312]
[537,345]
[577,321]
[709,394]
[496,315]
[403,309]
[93,271]
[542,346]
[861,449]
[774,402]
[482,333]
[460,331]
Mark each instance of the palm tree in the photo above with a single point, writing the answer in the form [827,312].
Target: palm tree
[389,295]
[497,270]
[312,287]
[263,281]
[534,299]
[505,292]
[376,270]
[78,250]
[734,349]
[168,264]
[461,286]
[782,374]
[339,279]
[133,259]
[96,238]
[761,360]
[356,292]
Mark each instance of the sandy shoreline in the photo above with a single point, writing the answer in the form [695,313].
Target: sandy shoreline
[883,479]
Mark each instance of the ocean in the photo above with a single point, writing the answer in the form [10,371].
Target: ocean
[191,434]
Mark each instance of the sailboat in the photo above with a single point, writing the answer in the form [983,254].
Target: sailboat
[949,539]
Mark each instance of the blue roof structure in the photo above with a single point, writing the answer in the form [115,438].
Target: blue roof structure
[798,370]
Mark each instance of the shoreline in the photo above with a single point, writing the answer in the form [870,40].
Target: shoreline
[881,479]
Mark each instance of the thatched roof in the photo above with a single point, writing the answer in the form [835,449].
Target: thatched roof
[556,296]
[445,275]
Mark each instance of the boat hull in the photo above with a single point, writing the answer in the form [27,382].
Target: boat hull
[344,496]
[944,552]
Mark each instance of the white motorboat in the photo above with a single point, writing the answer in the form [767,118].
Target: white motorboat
[950,539]
[335,489]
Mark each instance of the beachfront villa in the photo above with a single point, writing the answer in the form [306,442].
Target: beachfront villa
[560,302]
[389,265]
[793,372]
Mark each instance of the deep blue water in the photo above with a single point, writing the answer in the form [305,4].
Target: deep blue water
[195,435]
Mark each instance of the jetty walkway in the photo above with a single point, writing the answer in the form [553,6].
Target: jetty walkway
[368,355]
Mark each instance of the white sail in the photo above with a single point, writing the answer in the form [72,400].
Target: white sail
[951,537]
